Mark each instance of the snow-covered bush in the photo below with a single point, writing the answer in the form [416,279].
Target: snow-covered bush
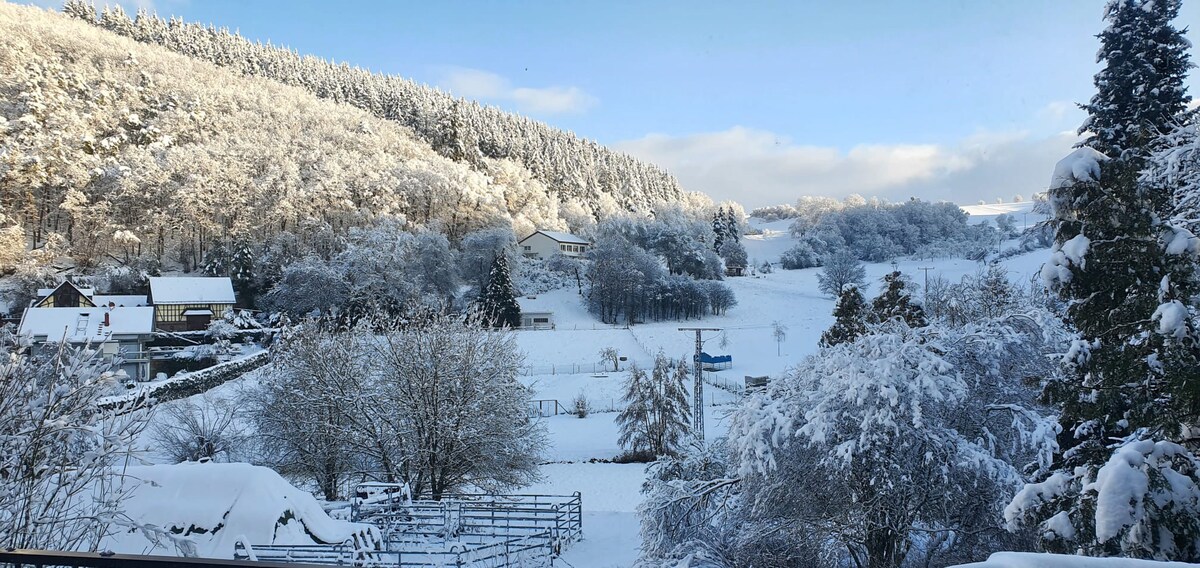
[580,406]
[61,455]
[890,447]
[801,255]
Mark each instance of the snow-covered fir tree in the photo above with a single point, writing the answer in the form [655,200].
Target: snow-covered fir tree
[895,303]
[498,305]
[1140,91]
[1127,273]
[850,318]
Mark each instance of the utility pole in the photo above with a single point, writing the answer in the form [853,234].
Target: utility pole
[925,290]
[698,382]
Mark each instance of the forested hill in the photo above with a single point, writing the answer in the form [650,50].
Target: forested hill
[462,130]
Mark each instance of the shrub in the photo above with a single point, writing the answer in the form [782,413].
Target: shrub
[800,256]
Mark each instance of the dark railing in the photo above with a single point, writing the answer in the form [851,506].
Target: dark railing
[46,558]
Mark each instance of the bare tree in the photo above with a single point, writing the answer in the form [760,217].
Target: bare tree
[61,455]
[841,268]
[610,355]
[200,428]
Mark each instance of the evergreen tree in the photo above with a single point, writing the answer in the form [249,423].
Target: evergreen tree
[851,322]
[894,302]
[1133,375]
[671,410]
[720,229]
[498,301]
[1140,91]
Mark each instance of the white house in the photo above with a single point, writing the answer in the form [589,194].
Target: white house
[189,303]
[535,313]
[115,331]
[545,244]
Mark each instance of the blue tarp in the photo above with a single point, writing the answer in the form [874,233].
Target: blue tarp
[706,358]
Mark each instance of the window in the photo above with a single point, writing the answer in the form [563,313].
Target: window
[527,248]
[541,320]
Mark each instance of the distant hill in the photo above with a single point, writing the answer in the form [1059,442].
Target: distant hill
[126,147]
[571,167]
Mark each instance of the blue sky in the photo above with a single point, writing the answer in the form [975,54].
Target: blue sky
[755,101]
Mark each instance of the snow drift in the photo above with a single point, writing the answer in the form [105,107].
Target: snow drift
[212,505]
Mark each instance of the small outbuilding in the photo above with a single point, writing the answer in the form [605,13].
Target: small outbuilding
[535,313]
[545,244]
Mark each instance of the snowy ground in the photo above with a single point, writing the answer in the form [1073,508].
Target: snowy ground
[563,362]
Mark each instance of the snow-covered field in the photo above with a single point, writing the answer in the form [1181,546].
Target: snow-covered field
[564,362]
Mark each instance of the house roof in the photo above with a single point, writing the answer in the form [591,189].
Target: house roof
[534,305]
[192,290]
[560,237]
[44,293]
[79,325]
[129,300]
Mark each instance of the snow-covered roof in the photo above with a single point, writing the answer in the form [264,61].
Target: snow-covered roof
[561,237]
[128,300]
[87,292]
[79,325]
[226,502]
[535,305]
[192,290]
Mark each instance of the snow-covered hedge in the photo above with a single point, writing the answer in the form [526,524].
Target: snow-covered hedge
[189,384]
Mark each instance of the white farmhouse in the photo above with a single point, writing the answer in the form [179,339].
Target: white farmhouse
[545,244]
[116,331]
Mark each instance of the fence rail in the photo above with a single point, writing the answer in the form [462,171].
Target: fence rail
[557,518]
[46,558]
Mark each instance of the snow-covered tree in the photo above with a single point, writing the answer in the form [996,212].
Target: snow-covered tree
[1127,275]
[895,303]
[61,454]
[463,416]
[850,318]
[655,418]
[1144,502]
[890,449]
[498,301]
[840,270]
[1140,90]
[801,255]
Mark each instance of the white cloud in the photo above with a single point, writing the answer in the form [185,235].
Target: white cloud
[488,86]
[1194,104]
[757,167]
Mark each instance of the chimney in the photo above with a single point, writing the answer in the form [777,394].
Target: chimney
[106,324]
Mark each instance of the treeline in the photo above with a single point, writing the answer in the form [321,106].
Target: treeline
[876,231]
[662,268]
[572,167]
